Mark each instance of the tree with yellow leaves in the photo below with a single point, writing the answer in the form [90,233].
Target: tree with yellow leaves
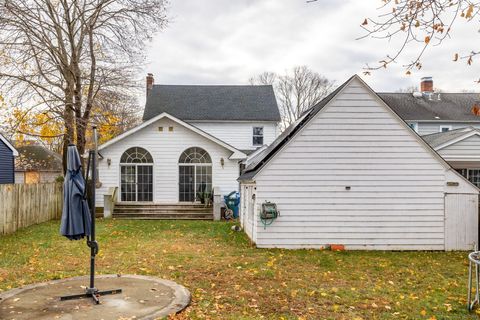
[58,57]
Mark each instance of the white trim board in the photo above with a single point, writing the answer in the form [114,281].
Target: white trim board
[9,145]
[236,154]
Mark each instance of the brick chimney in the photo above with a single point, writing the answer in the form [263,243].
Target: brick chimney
[150,82]
[426,85]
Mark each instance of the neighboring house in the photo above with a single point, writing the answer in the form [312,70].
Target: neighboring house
[461,149]
[432,113]
[192,140]
[36,164]
[7,158]
[429,112]
[352,172]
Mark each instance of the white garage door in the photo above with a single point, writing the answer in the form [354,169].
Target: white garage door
[461,221]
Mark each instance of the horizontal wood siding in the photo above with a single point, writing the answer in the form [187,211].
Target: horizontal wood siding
[22,205]
[434,127]
[396,200]
[166,148]
[239,134]
[6,164]
[468,148]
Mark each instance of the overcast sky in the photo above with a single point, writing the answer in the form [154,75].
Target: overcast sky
[226,42]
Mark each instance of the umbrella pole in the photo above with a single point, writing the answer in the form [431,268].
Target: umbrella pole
[91,291]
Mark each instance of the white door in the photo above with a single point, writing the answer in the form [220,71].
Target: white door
[461,221]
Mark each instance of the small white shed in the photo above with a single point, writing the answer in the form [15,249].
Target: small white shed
[352,172]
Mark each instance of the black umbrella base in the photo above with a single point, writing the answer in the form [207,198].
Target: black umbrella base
[141,298]
[93,293]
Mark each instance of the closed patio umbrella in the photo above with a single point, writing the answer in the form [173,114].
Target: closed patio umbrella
[76,219]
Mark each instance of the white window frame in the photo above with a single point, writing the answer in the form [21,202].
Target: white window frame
[467,171]
[414,126]
[449,127]
[257,135]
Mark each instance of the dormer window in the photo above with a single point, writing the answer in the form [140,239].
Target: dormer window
[258,136]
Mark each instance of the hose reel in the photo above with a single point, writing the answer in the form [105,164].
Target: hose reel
[269,213]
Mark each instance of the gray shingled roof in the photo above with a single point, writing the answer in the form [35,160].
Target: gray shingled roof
[205,102]
[35,157]
[437,139]
[263,157]
[450,107]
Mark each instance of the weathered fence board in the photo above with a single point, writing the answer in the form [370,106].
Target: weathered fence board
[22,205]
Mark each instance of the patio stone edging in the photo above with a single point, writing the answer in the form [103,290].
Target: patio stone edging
[181,301]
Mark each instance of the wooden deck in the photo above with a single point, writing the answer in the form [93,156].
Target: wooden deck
[155,211]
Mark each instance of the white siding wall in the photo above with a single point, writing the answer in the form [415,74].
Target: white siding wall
[19,177]
[396,199]
[165,148]
[239,134]
[434,127]
[465,149]
[247,208]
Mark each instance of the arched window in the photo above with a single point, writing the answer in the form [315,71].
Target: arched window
[195,155]
[136,175]
[195,175]
[136,155]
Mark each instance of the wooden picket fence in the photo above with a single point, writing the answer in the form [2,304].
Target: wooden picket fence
[22,205]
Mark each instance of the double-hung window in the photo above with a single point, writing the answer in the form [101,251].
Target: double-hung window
[257,136]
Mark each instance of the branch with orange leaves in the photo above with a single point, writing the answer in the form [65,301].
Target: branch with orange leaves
[424,23]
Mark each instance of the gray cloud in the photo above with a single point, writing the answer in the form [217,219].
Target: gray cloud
[226,42]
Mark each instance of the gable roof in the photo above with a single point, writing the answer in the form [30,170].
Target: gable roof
[252,170]
[35,157]
[450,106]
[213,102]
[9,145]
[441,140]
[258,162]
[236,154]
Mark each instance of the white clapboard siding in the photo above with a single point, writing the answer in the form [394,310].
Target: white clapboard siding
[425,128]
[468,148]
[396,199]
[166,148]
[239,134]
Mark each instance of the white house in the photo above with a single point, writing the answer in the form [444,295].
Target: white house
[352,172]
[192,141]
[461,149]
[429,112]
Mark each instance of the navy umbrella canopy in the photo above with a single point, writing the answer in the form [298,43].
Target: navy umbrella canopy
[76,219]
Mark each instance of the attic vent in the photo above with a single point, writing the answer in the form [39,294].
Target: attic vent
[160,129]
[170,129]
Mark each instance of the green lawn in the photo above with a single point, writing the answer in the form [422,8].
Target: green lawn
[230,279]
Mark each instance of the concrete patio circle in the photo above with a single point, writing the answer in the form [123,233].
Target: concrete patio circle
[142,297]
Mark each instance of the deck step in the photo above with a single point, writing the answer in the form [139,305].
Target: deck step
[150,211]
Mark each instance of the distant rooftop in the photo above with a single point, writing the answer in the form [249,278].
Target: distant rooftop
[38,158]
[439,138]
[436,107]
[213,102]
